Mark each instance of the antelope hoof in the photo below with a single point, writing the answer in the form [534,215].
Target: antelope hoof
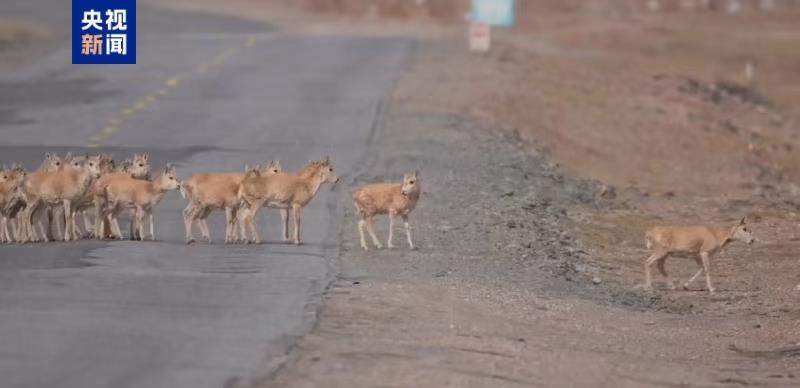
[189,241]
[364,247]
[712,290]
[686,286]
[390,247]
[671,286]
[297,242]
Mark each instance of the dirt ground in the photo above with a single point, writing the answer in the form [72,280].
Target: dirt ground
[503,289]
[543,162]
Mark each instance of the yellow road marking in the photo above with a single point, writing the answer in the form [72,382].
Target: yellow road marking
[115,123]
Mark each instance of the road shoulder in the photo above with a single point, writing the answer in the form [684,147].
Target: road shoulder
[500,291]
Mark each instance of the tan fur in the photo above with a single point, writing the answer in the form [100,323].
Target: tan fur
[392,199]
[306,173]
[699,242]
[216,191]
[10,182]
[85,202]
[57,188]
[282,191]
[141,195]
[51,163]
[137,167]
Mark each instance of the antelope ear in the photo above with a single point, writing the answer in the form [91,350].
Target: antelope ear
[416,173]
[246,167]
[742,221]
[278,163]
[146,156]
[327,159]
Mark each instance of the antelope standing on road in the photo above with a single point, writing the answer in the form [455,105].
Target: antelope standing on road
[387,198]
[216,191]
[51,163]
[282,191]
[59,188]
[140,195]
[306,173]
[700,242]
[10,202]
[137,167]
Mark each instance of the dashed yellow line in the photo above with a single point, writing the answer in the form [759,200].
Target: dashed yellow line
[114,124]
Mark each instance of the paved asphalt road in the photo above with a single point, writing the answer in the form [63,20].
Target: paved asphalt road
[209,94]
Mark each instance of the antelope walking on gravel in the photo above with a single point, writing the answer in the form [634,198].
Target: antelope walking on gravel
[282,191]
[217,191]
[387,198]
[140,195]
[699,242]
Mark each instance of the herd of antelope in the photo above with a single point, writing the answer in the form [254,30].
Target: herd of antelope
[98,190]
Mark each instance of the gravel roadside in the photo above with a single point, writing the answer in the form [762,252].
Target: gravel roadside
[499,292]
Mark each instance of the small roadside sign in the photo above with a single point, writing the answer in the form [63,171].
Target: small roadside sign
[480,37]
[499,13]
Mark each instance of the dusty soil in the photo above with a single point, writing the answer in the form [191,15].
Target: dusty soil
[543,163]
[502,291]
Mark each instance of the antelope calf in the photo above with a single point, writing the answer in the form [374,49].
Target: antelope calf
[306,173]
[106,166]
[387,198]
[139,194]
[216,191]
[284,191]
[10,203]
[699,242]
[51,163]
[137,167]
[59,188]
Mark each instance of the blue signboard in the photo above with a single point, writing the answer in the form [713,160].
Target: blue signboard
[493,12]
[103,31]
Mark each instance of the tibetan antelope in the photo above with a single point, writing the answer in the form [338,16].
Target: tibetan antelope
[216,191]
[282,191]
[62,187]
[140,195]
[699,242]
[393,199]
[10,201]
[137,167]
[51,163]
